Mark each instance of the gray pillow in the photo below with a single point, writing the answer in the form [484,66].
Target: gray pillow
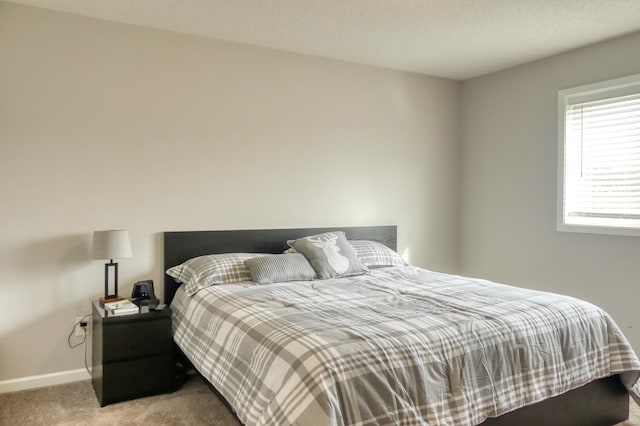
[374,255]
[330,255]
[280,268]
[213,269]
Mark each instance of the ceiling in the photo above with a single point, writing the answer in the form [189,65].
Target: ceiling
[457,39]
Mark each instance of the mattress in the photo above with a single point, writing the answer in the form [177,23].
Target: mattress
[400,345]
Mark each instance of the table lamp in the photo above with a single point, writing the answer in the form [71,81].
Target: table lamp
[113,244]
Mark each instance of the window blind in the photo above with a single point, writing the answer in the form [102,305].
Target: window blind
[602,159]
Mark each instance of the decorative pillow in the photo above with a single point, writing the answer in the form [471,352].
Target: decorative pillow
[204,271]
[374,254]
[279,268]
[330,255]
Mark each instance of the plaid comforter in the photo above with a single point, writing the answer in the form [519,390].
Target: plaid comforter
[400,345]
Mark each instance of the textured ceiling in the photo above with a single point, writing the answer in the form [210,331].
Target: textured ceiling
[457,39]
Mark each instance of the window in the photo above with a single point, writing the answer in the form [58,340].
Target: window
[599,158]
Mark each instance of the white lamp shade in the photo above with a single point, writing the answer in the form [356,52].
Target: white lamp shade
[111,244]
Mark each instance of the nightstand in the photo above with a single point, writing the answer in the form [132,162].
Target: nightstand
[132,354]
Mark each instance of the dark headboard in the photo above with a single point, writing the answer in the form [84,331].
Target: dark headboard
[180,246]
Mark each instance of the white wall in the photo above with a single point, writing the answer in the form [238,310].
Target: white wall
[508,193]
[107,126]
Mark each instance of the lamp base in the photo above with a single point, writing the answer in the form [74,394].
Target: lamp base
[110,298]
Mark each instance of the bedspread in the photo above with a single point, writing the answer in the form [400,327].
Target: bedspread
[400,345]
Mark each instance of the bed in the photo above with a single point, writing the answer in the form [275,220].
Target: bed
[599,396]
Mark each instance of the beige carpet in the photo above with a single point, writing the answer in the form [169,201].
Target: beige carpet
[76,404]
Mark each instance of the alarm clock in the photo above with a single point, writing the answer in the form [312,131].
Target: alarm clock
[143,295]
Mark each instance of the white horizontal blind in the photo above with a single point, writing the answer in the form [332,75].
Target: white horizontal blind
[602,157]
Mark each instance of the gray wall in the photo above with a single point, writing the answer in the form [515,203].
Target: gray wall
[105,125]
[108,126]
[508,192]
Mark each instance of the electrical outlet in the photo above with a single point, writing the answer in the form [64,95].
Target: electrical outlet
[78,328]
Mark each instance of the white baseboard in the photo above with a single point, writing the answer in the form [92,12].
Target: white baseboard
[43,380]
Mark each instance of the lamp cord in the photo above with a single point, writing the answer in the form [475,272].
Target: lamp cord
[83,341]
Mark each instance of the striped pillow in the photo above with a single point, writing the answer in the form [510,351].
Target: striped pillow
[280,268]
[373,254]
[204,271]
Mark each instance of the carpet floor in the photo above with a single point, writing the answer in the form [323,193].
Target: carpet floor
[76,404]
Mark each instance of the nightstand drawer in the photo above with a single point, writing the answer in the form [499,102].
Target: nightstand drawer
[134,339]
[135,378]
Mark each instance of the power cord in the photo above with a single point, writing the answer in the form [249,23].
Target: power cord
[83,325]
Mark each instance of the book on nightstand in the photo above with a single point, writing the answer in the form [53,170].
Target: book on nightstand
[121,307]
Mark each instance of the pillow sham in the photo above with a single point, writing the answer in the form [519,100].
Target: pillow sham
[280,268]
[330,255]
[204,271]
[374,255]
